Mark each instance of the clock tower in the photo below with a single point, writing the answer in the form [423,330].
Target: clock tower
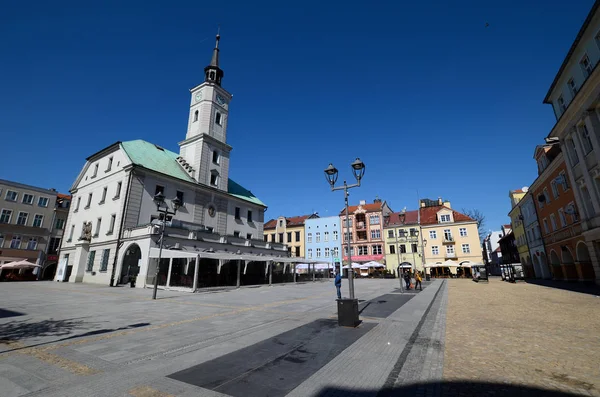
[204,153]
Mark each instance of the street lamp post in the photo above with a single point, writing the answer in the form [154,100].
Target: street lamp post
[331,173]
[159,200]
[416,238]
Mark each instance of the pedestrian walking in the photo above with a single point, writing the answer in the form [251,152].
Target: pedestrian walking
[418,280]
[407,280]
[338,284]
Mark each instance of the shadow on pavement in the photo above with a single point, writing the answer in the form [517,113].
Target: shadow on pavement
[16,330]
[449,389]
[4,313]
[590,289]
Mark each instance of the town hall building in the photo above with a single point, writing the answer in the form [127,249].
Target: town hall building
[114,227]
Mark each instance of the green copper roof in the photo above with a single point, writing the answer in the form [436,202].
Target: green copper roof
[156,158]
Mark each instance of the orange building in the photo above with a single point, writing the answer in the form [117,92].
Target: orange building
[558,215]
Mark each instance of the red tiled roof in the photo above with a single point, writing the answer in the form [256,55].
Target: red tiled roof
[517,191]
[291,221]
[369,207]
[428,215]
[64,196]
[410,218]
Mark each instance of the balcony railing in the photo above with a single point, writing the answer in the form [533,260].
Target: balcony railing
[448,240]
[451,255]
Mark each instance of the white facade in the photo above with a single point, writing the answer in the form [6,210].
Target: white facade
[114,222]
[574,96]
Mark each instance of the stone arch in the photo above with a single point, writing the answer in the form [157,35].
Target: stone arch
[130,262]
[582,252]
[554,260]
[567,256]
[537,268]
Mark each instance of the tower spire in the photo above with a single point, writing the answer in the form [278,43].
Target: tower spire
[213,73]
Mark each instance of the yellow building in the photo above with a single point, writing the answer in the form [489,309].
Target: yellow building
[450,239]
[518,228]
[289,231]
[403,244]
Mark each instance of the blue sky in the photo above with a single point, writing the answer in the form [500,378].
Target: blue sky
[427,96]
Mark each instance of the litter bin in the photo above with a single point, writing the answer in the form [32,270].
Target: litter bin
[427,277]
[348,312]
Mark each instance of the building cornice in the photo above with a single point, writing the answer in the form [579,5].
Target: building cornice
[543,177]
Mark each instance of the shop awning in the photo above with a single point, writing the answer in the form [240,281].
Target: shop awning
[228,256]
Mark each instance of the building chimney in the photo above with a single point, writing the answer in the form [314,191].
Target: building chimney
[377,200]
[447,204]
[362,202]
[440,202]
[422,203]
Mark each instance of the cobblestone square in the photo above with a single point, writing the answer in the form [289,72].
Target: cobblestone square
[523,334]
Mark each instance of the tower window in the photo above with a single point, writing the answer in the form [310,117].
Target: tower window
[214,178]
[196,115]
[215,157]
[218,118]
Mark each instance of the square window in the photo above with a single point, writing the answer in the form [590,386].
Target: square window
[432,234]
[159,189]
[38,220]
[463,232]
[236,234]
[43,202]
[249,236]
[5,216]
[466,249]
[27,199]
[435,250]
[22,219]
[32,243]
[15,243]
[11,195]
[60,224]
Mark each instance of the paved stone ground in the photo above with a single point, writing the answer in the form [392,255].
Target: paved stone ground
[87,340]
[522,334]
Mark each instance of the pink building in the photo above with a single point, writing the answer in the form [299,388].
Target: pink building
[366,231]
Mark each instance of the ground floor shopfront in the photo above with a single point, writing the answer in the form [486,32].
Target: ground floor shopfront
[206,261]
[569,255]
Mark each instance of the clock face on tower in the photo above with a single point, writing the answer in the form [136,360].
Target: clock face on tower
[221,101]
[198,96]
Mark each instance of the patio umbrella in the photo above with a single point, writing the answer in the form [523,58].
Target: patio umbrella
[22,264]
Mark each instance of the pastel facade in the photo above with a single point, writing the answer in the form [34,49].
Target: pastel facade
[574,96]
[31,223]
[558,214]
[290,232]
[323,238]
[366,231]
[403,241]
[448,234]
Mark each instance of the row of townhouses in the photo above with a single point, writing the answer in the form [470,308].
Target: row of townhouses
[434,236]
[556,221]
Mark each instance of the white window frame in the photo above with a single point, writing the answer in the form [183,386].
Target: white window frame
[586,59]
[463,232]
[35,243]
[562,217]
[433,234]
[15,237]
[19,217]
[335,235]
[554,188]
[318,252]
[16,195]
[572,87]
[326,237]
[25,195]
[466,249]
[435,250]
[309,238]
[309,253]
[553,222]
[35,217]
[445,216]
[326,252]
[317,238]
[562,106]
[450,249]
[10,214]
[546,227]
[586,141]
[43,202]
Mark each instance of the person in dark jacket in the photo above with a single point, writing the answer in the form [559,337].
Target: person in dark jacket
[407,279]
[338,284]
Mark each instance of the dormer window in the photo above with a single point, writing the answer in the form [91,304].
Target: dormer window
[444,218]
[195,116]
[218,118]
